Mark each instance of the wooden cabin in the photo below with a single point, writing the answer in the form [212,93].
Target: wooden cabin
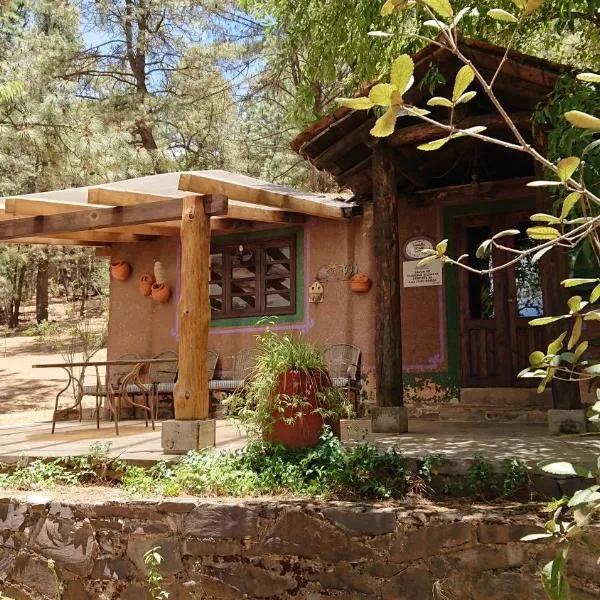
[444,343]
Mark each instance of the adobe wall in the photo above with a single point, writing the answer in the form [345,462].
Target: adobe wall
[138,324]
[229,550]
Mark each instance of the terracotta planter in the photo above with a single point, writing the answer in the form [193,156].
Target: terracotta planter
[305,430]
[120,270]
[161,292]
[360,283]
[146,283]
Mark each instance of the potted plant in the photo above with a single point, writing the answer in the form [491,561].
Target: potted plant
[120,270]
[289,395]
[360,283]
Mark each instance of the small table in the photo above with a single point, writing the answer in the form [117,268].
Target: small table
[68,368]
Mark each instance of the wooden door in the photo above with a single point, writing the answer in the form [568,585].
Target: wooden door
[494,309]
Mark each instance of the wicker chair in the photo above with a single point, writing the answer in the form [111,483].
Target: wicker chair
[343,366]
[244,363]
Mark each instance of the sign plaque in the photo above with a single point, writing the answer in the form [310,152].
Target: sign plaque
[415,245]
[422,276]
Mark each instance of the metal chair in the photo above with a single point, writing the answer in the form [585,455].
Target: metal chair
[244,363]
[343,365]
[161,378]
[123,383]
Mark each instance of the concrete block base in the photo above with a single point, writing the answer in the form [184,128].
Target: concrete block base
[389,419]
[179,437]
[567,421]
[356,430]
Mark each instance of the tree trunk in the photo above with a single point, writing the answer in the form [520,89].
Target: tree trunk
[41,290]
[17,297]
[387,258]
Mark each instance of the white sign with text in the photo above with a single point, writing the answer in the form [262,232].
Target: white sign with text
[422,276]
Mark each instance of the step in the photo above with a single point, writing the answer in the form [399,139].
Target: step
[490,414]
[506,398]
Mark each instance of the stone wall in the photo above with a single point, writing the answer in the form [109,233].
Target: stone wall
[266,549]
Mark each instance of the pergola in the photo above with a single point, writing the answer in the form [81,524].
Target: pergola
[189,204]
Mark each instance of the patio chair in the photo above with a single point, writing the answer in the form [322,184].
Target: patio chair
[123,383]
[343,361]
[161,378]
[244,363]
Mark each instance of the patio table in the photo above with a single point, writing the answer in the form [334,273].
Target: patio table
[68,368]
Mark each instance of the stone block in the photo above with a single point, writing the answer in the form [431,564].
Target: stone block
[168,548]
[179,437]
[503,533]
[412,583]
[35,574]
[356,430]
[222,520]
[566,421]
[252,581]
[389,419]
[363,522]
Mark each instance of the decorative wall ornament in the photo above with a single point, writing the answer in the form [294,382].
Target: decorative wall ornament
[146,282]
[161,292]
[120,270]
[315,292]
[415,245]
[160,272]
[341,272]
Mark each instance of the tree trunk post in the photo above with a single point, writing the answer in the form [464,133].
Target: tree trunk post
[41,289]
[390,416]
[191,430]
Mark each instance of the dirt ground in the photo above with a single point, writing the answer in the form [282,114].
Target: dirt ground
[26,394]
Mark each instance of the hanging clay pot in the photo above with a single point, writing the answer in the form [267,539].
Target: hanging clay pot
[161,292]
[360,283]
[160,273]
[120,270]
[146,282]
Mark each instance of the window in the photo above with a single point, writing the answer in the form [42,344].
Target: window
[253,278]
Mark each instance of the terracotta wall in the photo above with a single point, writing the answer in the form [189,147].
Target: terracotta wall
[138,324]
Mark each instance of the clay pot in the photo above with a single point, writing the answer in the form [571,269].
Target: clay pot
[120,270]
[160,273]
[360,283]
[146,282]
[161,292]
[306,430]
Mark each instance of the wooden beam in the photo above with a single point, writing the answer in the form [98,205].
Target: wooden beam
[41,207]
[388,353]
[236,210]
[418,134]
[91,219]
[246,189]
[190,395]
[43,241]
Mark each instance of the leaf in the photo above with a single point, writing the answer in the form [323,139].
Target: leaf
[536,359]
[557,344]
[546,320]
[593,369]
[441,7]
[532,5]
[595,294]
[439,101]
[414,110]
[385,125]
[580,350]
[484,249]
[569,202]
[435,145]
[520,3]
[543,183]
[468,131]
[574,303]
[593,315]
[380,34]
[576,333]
[540,253]
[545,218]
[436,24]
[506,233]
[543,233]
[402,73]
[427,260]
[560,468]
[381,94]
[442,247]
[582,120]
[588,495]
[388,8]
[591,147]
[589,77]
[534,537]
[466,97]
[502,15]
[567,166]
[362,103]
[463,80]
[575,282]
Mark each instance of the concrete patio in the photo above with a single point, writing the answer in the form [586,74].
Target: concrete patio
[457,442]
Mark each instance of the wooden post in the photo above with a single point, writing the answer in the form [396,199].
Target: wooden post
[191,390]
[388,330]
